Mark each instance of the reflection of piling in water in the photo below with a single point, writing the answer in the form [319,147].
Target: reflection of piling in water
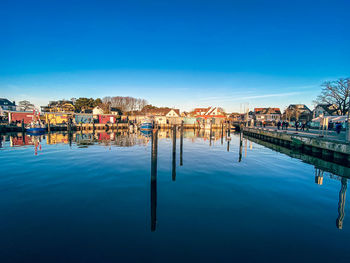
[341,204]
[240,146]
[318,176]
[181,142]
[154,156]
[228,145]
[173,173]
[222,133]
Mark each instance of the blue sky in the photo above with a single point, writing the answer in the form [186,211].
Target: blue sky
[173,53]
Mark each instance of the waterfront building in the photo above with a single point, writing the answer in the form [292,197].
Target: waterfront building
[6,105]
[267,114]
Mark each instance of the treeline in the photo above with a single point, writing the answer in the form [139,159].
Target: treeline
[125,104]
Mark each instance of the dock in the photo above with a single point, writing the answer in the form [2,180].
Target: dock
[327,148]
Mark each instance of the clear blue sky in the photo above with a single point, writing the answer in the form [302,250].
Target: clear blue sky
[173,53]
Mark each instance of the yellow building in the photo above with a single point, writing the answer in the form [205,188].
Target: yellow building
[57,118]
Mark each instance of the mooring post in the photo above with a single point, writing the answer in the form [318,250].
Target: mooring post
[222,133]
[48,126]
[240,145]
[154,157]
[174,155]
[22,125]
[181,142]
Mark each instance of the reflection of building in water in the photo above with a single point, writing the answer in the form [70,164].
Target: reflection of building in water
[318,176]
[57,138]
[84,138]
[21,140]
[131,140]
[341,204]
[154,156]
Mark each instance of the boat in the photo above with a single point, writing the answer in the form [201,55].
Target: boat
[146,125]
[36,130]
[36,126]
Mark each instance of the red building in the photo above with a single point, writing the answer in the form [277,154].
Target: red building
[26,116]
[107,118]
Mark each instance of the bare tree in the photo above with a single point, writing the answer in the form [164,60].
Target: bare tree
[25,105]
[336,93]
[125,104]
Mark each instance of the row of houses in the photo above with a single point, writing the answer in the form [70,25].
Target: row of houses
[170,115]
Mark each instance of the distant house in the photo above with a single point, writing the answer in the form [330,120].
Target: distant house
[173,113]
[116,111]
[62,106]
[97,110]
[167,112]
[7,105]
[325,110]
[267,114]
[209,112]
[297,112]
[185,114]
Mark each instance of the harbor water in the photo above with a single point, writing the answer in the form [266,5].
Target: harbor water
[144,197]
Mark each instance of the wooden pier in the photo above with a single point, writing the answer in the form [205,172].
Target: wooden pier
[327,149]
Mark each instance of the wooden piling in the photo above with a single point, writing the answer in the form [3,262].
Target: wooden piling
[181,142]
[173,174]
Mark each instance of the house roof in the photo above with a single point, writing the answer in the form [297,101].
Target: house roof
[267,111]
[299,106]
[327,108]
[6,102]
[176,110]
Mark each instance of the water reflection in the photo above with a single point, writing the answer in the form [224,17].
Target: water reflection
[129,139]
[341,203]
[154,155]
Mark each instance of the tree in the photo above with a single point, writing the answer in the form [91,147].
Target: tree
[336,93]
[25,105]
[86,103]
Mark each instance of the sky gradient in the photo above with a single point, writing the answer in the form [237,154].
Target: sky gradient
[183,54]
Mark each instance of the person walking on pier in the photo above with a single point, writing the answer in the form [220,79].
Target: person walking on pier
[296,125]
[338,127]
[279,125]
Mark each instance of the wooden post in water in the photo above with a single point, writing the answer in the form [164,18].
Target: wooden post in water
[154,157]
[181,142]
[173,173]
[229,129]
[240,146]
[222,133]
[22,125]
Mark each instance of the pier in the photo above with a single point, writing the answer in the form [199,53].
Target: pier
[329,149]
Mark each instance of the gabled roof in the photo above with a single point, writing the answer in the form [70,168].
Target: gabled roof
[327,108]
[176,110]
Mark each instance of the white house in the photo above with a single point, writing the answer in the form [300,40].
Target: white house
[97,110]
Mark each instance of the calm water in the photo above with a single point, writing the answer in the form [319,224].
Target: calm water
[103,198]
